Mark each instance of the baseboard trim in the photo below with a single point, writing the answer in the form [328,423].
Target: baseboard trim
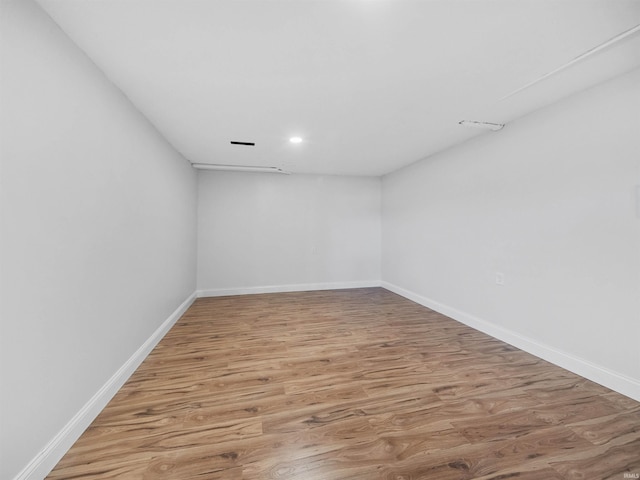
[40,466]
[298,287]
[616,381]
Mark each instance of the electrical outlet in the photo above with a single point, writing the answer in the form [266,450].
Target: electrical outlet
[499,278]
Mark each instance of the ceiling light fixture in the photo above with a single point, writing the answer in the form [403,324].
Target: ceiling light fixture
[239,168]
[484,125]
[295,140]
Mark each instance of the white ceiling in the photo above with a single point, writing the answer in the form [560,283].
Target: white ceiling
[371,85]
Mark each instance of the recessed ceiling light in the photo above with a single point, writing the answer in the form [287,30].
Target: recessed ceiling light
[295,140]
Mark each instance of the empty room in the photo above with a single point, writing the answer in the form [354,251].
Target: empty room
[320,239]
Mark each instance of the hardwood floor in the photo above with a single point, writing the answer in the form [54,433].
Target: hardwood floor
[350,384]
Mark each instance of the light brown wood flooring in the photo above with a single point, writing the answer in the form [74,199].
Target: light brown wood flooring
[350,384]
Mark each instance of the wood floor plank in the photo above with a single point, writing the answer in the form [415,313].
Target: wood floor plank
[604,429]
[350,384]
[608,462]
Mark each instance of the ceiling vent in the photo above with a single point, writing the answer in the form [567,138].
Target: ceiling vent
[246,144]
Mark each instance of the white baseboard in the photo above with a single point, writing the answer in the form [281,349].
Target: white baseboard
[298,287]
[615,381]
[40,466]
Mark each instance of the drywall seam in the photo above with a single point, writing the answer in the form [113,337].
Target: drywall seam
[616,381]
[51,454]
[298,287]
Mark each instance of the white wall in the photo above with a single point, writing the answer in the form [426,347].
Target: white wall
[98,232]
[549,203]
[262,232]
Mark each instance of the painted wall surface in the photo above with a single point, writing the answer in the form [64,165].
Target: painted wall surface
[98,231]
[548,202]
[266,230]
